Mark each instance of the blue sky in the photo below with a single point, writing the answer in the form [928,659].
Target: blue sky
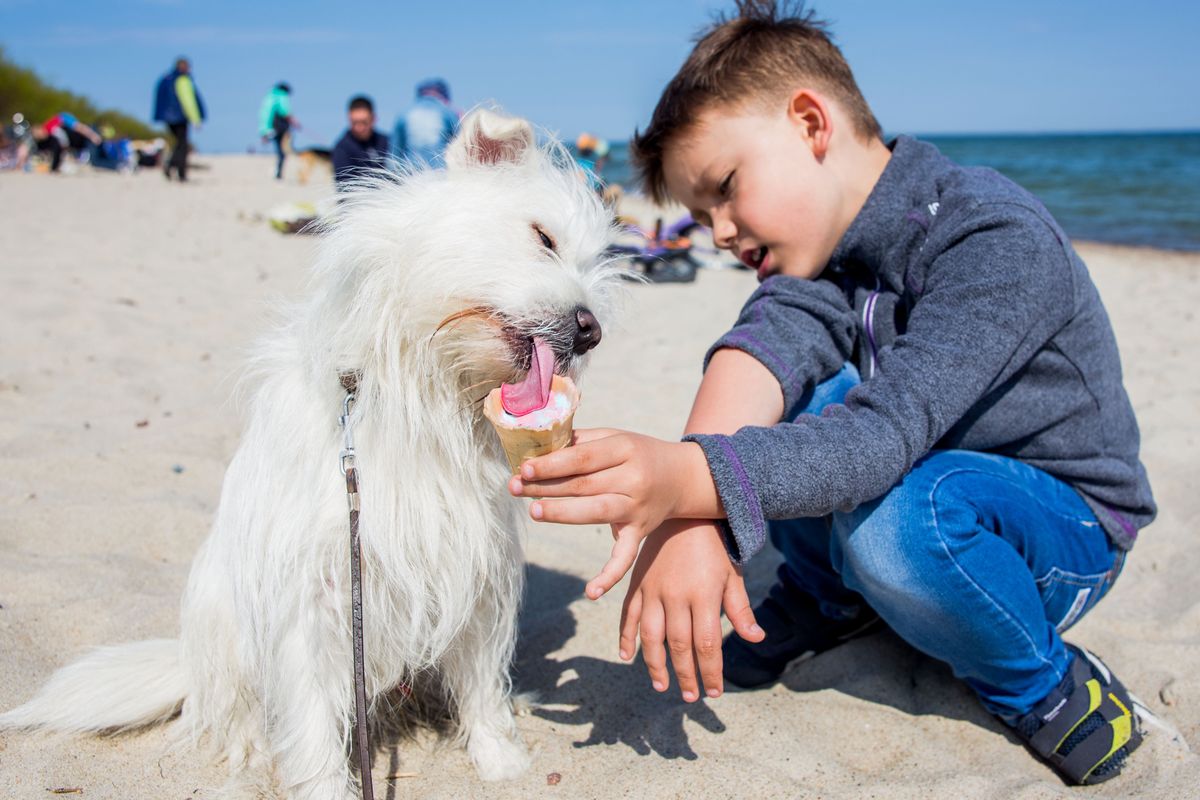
[926,66]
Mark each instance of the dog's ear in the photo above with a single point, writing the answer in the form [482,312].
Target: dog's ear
[486,138]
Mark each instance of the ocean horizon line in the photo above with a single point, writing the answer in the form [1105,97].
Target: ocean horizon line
[1057,133]
[261,149]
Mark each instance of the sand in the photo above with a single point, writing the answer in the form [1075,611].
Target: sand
[128,304]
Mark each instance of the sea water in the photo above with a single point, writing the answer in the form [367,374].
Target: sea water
[1121,188]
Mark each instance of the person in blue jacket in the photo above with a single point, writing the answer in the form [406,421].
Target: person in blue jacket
[426,127]
[177,103]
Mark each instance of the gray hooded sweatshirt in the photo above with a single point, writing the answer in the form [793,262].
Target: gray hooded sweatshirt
[974,325]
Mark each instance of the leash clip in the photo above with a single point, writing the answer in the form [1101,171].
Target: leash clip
[346,457]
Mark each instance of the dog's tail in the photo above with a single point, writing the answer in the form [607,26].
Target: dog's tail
[109,689]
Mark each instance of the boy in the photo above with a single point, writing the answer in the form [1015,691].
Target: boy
[924,398]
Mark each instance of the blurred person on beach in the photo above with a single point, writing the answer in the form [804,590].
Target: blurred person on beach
[921,406]
[9,148]
[361,148]
[60,134]
[276,122]
[426,127]
[177,102]
[591,153]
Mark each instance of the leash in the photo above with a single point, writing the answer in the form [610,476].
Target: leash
[362,742]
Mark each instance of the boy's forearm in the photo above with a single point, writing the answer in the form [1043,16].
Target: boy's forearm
[737,390]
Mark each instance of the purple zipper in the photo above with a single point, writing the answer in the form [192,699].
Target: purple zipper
[869,324]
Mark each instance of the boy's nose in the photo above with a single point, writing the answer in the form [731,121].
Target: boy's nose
[587,331]
[724,233]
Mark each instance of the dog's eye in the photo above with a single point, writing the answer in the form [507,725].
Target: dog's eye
[546,240]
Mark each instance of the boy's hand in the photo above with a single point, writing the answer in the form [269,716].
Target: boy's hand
[627,480]
[682,580]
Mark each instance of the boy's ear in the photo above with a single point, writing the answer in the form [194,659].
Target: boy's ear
[810,112]
[486,138]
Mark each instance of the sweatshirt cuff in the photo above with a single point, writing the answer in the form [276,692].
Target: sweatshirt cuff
[746,529]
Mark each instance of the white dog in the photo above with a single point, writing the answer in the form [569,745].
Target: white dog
[431,289]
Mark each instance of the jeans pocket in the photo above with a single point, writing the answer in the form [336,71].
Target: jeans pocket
[1067,596]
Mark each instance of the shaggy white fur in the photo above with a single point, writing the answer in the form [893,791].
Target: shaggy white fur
[430,286]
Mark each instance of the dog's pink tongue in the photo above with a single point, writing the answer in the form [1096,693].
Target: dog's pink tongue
[533,392]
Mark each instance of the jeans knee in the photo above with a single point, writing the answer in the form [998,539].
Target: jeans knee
[905,540]
[869,552]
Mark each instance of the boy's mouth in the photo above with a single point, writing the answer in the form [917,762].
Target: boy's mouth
[758,260]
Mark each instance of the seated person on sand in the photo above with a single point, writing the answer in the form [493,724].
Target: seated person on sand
[59,134]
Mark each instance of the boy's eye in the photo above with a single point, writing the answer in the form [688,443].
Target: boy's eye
[546,240]
[723,189]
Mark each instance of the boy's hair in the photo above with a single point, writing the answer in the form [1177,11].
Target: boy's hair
[361,101]
[756,56]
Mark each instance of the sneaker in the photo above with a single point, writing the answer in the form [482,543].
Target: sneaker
[796,630]
[1087,727]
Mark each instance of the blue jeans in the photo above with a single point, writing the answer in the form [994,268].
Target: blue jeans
[978,560]
[280,155]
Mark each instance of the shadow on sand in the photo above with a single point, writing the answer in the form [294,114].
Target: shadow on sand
[616,700]
[613,697]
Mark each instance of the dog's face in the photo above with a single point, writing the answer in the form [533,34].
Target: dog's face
[475,263]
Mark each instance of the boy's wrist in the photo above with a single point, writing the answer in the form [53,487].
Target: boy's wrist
[696,496]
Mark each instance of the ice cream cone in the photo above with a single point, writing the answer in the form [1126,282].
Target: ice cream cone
[523,442]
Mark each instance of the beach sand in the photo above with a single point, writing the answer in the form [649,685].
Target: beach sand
[128,306]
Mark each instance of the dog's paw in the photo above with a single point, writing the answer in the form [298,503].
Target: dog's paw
[497,758]
[524,703]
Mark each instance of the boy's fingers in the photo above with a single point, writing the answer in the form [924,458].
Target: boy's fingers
[602,482]
[706,636]
[587,457]
[631,615]
[624,553]
[585,435]
[653,652]
[579,510]
[737,608]
[679,645]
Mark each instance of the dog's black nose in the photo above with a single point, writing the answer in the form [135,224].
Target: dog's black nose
[587,331]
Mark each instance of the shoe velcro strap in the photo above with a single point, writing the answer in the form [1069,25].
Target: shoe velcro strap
[1071,711]
[1087,725]
[1100,745]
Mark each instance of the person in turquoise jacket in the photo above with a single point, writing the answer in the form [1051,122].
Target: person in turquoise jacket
[177,103]
[275,122]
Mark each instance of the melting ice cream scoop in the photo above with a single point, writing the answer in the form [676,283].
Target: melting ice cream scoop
[537,432]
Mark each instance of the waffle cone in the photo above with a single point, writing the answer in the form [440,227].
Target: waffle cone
[521,444]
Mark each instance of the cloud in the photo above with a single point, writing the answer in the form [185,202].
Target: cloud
[200,34]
